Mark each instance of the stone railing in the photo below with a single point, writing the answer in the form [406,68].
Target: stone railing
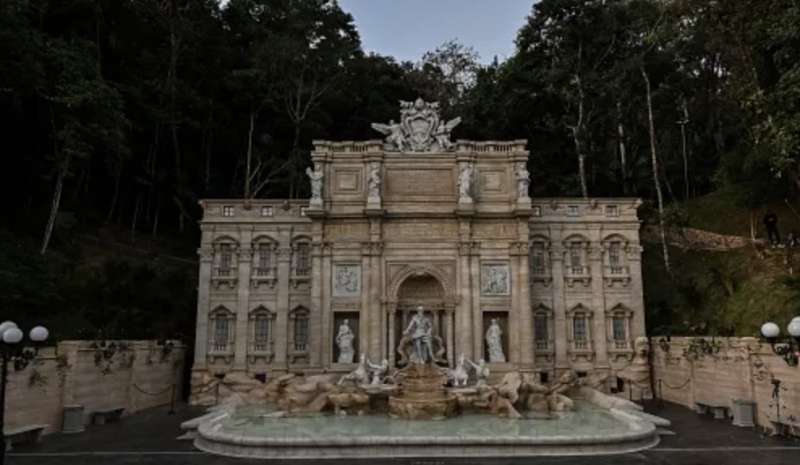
[461,146]
[134,375]
[692,371]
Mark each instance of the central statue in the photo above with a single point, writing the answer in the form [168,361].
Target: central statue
[421,330]
[419,345]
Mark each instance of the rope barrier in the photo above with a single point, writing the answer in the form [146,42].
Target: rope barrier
[153,393]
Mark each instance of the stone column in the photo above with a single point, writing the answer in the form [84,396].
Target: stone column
[514,320]
[203,296]
[245,257]
[599,323]
[464,314]
[391,308]
[374,302]
[364,324]
[318,336]
[282,309]
[524,305]
[449,315]
[475,290]
[559,303]
[326,355]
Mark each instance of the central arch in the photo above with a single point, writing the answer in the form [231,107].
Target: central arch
[429,288]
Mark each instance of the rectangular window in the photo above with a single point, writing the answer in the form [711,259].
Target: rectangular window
[225,259]
[538,266]
[540,333]
[228,211]
[614,257]
[302,262]
[572,210]
[221,331]
[579,332]
[266,211]
[264,259]
[261,342]
[620,336]
[612,211]
[576,258]
[301,334]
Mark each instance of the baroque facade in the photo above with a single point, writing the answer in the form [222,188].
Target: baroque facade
[539,285]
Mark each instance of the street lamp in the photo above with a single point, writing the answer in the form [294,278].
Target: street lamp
[12,351]
[789,347]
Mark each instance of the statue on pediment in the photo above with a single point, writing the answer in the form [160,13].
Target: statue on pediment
[420,129]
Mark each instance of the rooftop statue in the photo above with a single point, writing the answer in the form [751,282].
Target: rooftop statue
[419,129]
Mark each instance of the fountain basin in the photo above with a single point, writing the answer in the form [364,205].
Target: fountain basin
[247,432]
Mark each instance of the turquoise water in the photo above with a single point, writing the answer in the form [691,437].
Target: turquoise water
[587,420]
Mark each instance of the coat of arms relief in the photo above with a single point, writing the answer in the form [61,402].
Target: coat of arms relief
[420,129]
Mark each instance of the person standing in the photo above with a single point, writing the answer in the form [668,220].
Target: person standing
[771,224]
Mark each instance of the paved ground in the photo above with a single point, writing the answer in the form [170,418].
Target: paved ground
[148,438]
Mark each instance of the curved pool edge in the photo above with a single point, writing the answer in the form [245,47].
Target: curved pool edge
[642,435]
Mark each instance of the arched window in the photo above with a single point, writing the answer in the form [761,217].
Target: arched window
[221,329]
[543,329]
[261,334]
[539,259]
[618,327]
[615,269]
[576,260]
[580,329]
[299,335]
[302,259]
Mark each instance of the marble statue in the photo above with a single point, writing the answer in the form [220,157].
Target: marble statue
[316,177]
[459,375]
[395,137]
[465,184]
[374,182]
[347,282]
[360,375]
[523,181]
[344,339]
[420,329]
[494,342]
[420,129]
[481,372]
[378,371]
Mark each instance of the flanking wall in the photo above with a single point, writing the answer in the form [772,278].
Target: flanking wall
[136,375]
[720,370]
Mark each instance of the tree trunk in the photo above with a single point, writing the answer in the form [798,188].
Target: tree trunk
[577,132]
[249,160]
[54,205]
[623,155]
[683,124]
[135,216]
[115,196]
[654,161]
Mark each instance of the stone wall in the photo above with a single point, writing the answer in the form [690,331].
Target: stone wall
[136,378]
[718,371]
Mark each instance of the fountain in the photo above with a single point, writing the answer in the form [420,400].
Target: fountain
[381,412]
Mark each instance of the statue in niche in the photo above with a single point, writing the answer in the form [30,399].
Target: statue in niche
[494,342]
[345,342]
[420,329]
[465,183]
[374,182]
[395,137]
[523,181]
[315,177]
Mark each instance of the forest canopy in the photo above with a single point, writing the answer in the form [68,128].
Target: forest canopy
[124,113]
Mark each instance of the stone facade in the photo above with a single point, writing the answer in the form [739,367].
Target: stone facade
[450,228]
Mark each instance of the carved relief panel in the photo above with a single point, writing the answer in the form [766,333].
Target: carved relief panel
[346,280]
[495,279]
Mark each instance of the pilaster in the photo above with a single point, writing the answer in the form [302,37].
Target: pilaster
[599,331]
[206,257]
[244,262]
[282,308]
[559,301]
